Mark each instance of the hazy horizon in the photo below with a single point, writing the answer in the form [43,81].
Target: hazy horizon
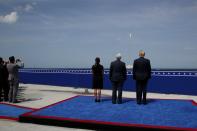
[71,33]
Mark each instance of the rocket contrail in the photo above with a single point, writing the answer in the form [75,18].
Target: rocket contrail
[130,35]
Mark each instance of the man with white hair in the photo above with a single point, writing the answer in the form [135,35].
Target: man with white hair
[117,75]
[141,73]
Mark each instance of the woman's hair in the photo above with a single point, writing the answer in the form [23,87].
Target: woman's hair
[97,60]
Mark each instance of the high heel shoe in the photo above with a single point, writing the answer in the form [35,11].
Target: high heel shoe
[96,100]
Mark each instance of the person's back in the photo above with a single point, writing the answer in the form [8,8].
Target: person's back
[1,73]
[1,77]
[141,73]
[141,69]
[97,83]
[13,79]
[5,81]
[117,71]
[13,71]
[5,72]
[117,75]
[97,70]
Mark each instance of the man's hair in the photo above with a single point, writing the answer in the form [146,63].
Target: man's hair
[141,53]
[118,56]
[97,60]
[12,59]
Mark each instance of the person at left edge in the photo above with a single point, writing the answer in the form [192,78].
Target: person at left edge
[1,77]
[5,81]
[97,83]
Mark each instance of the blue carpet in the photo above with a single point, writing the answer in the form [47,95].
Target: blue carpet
[158,112]
[11,111]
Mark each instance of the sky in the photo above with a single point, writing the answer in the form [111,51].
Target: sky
[71,33]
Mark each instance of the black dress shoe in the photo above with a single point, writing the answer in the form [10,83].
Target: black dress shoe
[144,102]
[98,100]
[113,102]
[139,103]
[119,102]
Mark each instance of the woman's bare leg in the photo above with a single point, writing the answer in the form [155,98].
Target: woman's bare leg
[95,94]
[99,94]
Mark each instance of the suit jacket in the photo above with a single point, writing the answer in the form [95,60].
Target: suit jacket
[1,74]
[5,72]
[141,69]
[118,72]
[13,71]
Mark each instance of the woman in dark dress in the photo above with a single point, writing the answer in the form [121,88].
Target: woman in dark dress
[97,83]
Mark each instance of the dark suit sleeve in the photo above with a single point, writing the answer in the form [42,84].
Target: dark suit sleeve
[134,70]
[5,72]
[102,70]
[149,68]
[93,69]
[110,72]
[125,72]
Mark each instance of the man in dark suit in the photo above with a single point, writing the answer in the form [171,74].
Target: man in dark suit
[141,73]
[117,75]
[1,77]
[4,85]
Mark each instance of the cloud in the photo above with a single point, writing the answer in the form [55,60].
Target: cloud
[28,7]
[13,16]
[34,3]
[25,8]
[9,18]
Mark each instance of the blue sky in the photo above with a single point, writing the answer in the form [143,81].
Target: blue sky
[71,33]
